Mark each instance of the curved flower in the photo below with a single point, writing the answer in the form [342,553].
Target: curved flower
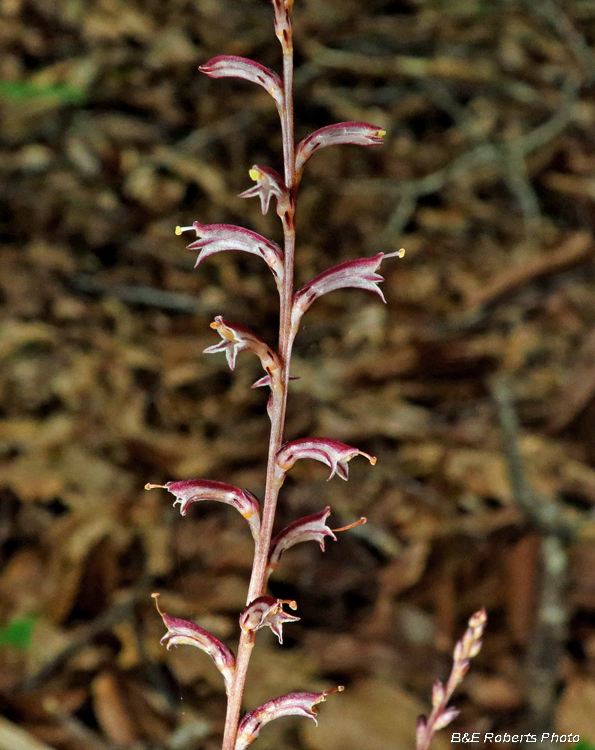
[181,632]
[266,611]
[357,133]
[308,528]
[293,704]
[268,183]
[216,238]
[305,529]
[232,66]
[359,273]
[331,452]
[236,338]
[190,491]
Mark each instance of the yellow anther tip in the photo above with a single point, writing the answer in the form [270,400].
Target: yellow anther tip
[178,231]
[254,174]
[381,133]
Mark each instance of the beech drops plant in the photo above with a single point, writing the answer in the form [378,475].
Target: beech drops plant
[263,610]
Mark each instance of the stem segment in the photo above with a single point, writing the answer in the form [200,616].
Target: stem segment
[279,404]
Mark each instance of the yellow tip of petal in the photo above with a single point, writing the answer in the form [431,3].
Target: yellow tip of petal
[178,230]
[401,252]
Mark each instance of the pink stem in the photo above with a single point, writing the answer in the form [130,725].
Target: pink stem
[279,406]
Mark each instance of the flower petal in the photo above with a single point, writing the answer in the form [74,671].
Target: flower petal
[216,238]
[333,453]
[293,704]
[268,183]
[266,611]
[359,273]
[190,491]
[236,338]
[308,528]
[357,133]
[232,66]
[180,632]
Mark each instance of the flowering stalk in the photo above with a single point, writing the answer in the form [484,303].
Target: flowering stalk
[261,609]
[442,714]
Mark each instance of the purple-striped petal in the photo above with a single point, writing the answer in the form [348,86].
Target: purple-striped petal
[357,133]
[184,632]
[232,66]
[293,704]
[190,491]
[268,183]
[359,273]
[216,238]
[236,338]
[330,452]
[266,611]
[308,528]
[283,27]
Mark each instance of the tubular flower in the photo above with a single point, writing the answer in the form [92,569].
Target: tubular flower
[180,632]
[232,66]
[359,273]
[268,183]
[330,452]
[356,133]
[190,491]
[266,611]
[236,338]
[308,528]
[216,238]
[293,704]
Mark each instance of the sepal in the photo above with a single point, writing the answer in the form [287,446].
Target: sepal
[356,133]
[267,611]
[268,183]
[293,704]
[236,338]
[232,66]
[190,491]
[183,632]
[216,238]
[330,452]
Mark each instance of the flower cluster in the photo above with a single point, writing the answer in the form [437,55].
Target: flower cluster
[263,610]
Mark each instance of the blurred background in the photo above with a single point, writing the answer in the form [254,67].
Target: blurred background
[474,385]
